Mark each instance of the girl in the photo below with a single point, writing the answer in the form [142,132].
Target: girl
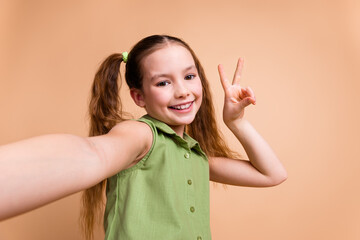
[156,168]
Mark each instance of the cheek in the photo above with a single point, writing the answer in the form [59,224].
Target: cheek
[160,98]
[198,89]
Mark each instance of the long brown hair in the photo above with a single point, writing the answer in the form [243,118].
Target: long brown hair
[105,111]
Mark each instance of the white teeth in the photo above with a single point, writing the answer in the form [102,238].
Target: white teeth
[181,107]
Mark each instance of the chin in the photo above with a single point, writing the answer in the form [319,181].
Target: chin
[189,121]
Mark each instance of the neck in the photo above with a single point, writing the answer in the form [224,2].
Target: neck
[179,130]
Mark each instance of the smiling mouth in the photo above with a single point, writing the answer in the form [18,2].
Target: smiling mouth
[182,106]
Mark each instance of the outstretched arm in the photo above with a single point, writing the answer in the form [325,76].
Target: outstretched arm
[263,168]
[42,169]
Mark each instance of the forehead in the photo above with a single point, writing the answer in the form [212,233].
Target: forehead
[170,58]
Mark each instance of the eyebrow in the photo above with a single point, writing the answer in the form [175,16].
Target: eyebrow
[166,75]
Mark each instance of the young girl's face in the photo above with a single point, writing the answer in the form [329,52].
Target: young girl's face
[172,90]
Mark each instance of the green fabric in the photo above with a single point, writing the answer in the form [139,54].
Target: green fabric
[165,195]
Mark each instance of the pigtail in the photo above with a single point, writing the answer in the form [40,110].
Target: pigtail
[105,108]
[105,111]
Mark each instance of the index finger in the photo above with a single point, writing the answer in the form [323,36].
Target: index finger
[224,82]
[237,74]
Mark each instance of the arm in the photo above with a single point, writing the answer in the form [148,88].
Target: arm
[264,169]
[42,169]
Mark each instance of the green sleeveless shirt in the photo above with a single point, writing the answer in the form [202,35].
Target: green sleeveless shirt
[165,195]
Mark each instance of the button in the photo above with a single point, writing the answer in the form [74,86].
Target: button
[199,238]
[186,155]
[189,182]
[192,209]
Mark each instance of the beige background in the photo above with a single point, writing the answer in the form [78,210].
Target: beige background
[301,59]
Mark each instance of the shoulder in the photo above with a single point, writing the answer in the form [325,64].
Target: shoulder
[132,126]
[123,145]
[138,133]
[132,129]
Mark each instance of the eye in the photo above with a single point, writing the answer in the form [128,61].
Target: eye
[162,83]
[190,77]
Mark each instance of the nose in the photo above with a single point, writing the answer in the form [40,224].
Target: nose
[181,91]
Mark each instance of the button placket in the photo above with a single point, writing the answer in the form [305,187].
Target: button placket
[189,182]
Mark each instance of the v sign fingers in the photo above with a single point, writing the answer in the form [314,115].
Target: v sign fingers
[237,98]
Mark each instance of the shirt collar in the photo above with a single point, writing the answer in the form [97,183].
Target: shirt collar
[189,141]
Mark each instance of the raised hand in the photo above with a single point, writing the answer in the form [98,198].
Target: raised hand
[236,97]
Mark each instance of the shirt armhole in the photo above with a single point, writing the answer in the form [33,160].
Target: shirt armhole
[143,160]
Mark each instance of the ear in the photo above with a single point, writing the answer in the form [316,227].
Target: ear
[138,97]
